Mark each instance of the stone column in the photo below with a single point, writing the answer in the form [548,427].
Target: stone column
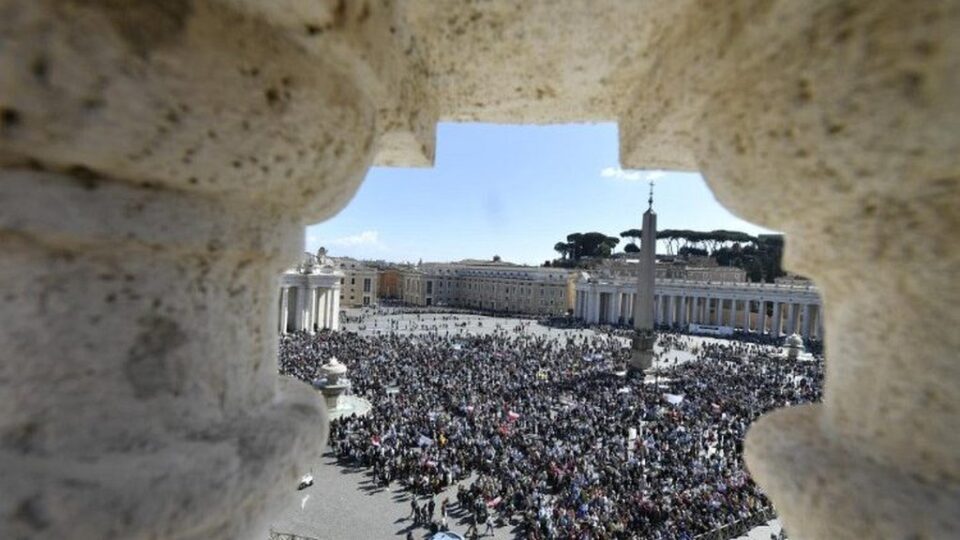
[284,309]
[298,320]
[328,306]
[791,318]
[312,302]
[805,321]
[756,325]
[335,303]
[591,302]
[322,308]
[331,313]
[777,320]
[818,322]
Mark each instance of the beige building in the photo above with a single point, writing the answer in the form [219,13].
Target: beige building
[490,286]
[388,283]
[701,269]
[358,286]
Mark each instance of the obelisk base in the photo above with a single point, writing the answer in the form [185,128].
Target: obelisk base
[641,350]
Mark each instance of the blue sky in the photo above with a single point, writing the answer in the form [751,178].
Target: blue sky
[512,191]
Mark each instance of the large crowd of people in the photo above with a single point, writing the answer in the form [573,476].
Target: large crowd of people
[549,436]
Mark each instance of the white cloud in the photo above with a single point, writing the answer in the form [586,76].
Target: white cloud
[654,175]
[620,174]
[631,175]
[364,238]
[359,244]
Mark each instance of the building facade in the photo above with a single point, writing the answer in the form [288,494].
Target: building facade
[489,286]
[359,282]
[771,308]
[389,283]
[668,267]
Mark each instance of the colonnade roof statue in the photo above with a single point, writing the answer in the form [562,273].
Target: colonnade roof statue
[160,160]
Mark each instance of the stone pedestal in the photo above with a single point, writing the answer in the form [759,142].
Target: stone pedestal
[121,377]
[641,350]
[157,164]
[856,112]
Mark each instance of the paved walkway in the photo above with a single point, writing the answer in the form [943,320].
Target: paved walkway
[344,503]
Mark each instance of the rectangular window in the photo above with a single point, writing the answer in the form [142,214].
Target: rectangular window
[429,287]
[366,285]
[353,281]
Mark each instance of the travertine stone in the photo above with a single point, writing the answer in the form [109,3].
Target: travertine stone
[847,141]
[190,95]
[147,146]
[139,377]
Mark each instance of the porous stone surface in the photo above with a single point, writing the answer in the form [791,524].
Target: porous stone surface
[158,160]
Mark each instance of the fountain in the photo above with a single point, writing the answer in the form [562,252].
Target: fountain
[334,386]
[794,350]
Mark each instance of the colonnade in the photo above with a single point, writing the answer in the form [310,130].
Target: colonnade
[309,302]
[762,308]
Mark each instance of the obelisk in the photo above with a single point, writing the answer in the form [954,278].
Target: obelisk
[641,356]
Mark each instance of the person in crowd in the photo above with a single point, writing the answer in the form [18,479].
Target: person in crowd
[545,434]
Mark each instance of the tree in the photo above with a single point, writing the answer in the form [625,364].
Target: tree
[574,242]
[591,244]
[686,250]
[633,235]
[496,258]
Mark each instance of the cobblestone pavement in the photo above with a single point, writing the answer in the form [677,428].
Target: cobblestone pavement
[344,504]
